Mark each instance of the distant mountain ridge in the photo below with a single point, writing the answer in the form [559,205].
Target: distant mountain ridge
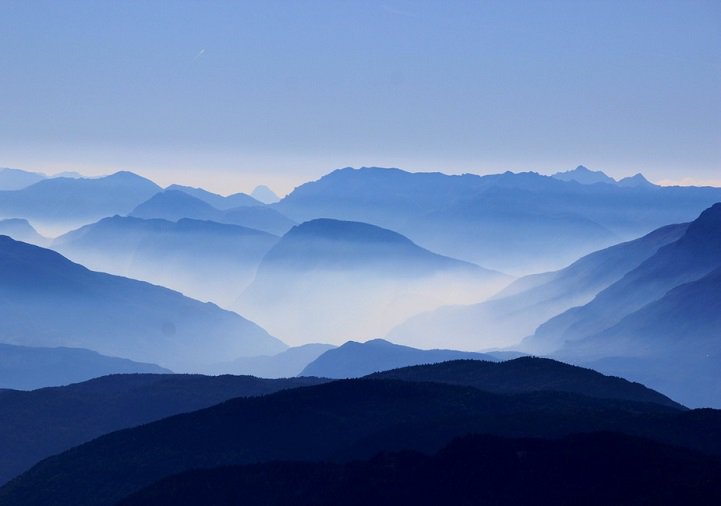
[382,276]
[21,230]
[353,360]
[46,300]
[203,259]
[215,200]
[73,201]
[27,368]
[174,205]
[520,308]
[583,175]
[17,179]
[502,220]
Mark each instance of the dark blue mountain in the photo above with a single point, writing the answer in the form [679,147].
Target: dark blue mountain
[72,200]
[528,302]
[26,368]
[604,469]
[16,179]
[217,201]
[174,205]
[353,360]
[202,259]
[46,300]
[528,374]
[338,421]
[40,423]
[504,220]
[335,280]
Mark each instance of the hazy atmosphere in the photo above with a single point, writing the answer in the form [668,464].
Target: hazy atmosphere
[310,253]
[229,95]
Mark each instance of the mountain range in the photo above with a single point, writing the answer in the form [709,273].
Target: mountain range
[353,360]
[340,421]
[37,424]
[47,300]
[64,201]
[604,469]
[202,259]
[174,205]
[502,221]
[28,368]
[382,277]
[528,302]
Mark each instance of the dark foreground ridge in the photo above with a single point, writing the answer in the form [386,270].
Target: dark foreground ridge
[590,469]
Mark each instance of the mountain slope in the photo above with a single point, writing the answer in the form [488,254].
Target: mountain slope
[16,179]
[694,255]
[603,468]
[202,259]
[503,220]
[40,423]
[673,343]
[215,200]
[21,230]
[46,300]
[335,280]
[76,200]
[286,364]
[340,420]
[26,368]
[583,175]
[528,374]
[174,205]
[528,302]
[353,360]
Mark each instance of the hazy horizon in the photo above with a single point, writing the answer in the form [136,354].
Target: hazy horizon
[234,95]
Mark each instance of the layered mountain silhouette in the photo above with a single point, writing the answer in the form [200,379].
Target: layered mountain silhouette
[264,195]
[217,201]
[693,255]
[21,230]
[26,368]
[203,259]
[528,374]
[286,364]
[40,423]
[504,220]
[16,179]
[604,469]
[657,324]
[341,420]
[584,175]
[528,302]
[331,280]
[47,300]
[353,359]
[174,205]
[671,343]
[65,200]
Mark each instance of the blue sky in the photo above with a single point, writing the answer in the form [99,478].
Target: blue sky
[231,94]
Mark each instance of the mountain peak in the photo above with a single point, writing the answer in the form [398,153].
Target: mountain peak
[636,181]
[264,194]
[584,175]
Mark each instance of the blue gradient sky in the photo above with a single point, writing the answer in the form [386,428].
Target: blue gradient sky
[230,94]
